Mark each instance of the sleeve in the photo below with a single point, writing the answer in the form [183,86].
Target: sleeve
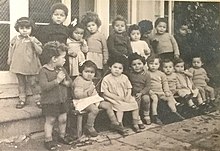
[205,75]
[37,46]
[191,70]
[164,83]
[147,84]
[127,82]
[175,45]
[11,49]
[44,83]
[178,85]
[78,89]
[104,85]
[84,47]
[42,35]
[129,46]
[68,79]
[111,46]
[104,48]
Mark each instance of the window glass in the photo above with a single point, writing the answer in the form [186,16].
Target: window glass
[4,10]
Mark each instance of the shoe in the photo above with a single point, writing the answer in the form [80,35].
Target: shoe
[203,108]
[156,120]
[120,129]
[66,140]
[147,120]
[20,104]
[91,131]
[141,126]
[187,97]
[39,105]
[193,107]
[136,129]
[178,116]
[50,145]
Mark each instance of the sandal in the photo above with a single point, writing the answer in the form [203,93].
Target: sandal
[39,105]
[20,104]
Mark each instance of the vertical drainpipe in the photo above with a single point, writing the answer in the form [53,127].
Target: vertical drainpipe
[170,17]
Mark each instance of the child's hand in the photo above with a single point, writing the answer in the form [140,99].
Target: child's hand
[104,61]
[31,38]
[60,76]
[138,96]
[176,56]
[66,82]
[90,92]
[73,54]
[167,94]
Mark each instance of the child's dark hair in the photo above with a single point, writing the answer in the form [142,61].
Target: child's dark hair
[166,61]
[160,20]
[145,26]
[118,59]
[88,64]
[135,56]
[198,56]
[133,27]
[73,28]
[91,17]
[24,22]
[52,49]
[151,58]
[178,60]
[119,18]
[59,6]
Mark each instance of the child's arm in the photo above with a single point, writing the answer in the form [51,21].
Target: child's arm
[189,72]
[111,47]
[205,75]
[165,85]
[36,44]
[175,46]
[84,46]
[48,85]
[146,85]
[11,50]
[104,49]
[71,52]
[129,47]
[67,81]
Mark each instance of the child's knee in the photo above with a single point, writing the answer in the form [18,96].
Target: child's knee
[62,118]
[146,98]
[105,106]
[50,120]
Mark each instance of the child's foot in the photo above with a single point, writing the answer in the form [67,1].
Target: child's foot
[120,129]
[20,104]
[38,104]
[193,107]
[50,145]
[187,97]
[156,120]
[136,128]
[147,120]
[65,140]
[141,126]
[91,131]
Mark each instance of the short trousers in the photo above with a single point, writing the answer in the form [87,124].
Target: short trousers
[55,109]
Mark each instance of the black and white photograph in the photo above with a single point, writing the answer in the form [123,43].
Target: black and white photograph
[110,75]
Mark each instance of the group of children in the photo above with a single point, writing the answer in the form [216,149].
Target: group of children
[73,56]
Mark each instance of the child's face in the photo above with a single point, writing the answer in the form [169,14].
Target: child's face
[161,28]
[135,35]
[168,68]
[88,73]
[179,67]
[25,31]
[58,16]
[60,60]
[154,66]
[183,30]
[92,27]
[78,34]
[197,63]
[137,66]
[119,26]
[116,69]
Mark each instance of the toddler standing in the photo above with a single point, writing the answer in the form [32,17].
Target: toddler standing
[23,58]
[116,89]
[98,52]
[119,42]
[160,90]
[140,81]
[200,79]
[88,99]
[164,44]
[77,46]
[54,82]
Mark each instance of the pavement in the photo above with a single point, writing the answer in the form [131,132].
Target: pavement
[201,133]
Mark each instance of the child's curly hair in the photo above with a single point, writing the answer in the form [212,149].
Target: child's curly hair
[166,61]
[152,58]
[119,18]
[59,6]
[53,49]
[88,64]
[118,59]
[160,20]
[24,22]
[91,17]
[145,26]
[135,56]
[133,27]
[178,60]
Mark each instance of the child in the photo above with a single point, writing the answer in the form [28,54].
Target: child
[160,90]
[116,89]
[84,88]
[184,43]
[140,81]
[146,28]
[200,79]
[98,51]
[54,82]
[119,42]
[137,45]
[187,89]
[76,47]
[23,58]
[56,31]
[163,43]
